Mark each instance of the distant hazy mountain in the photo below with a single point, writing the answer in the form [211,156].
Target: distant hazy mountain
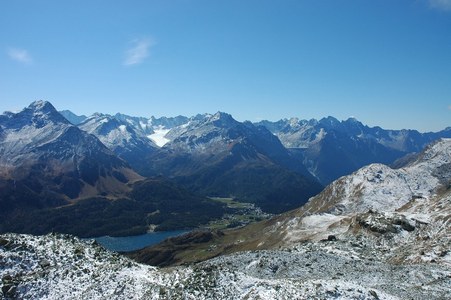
[154,128]
[219,156]
[330,148]
[73,118]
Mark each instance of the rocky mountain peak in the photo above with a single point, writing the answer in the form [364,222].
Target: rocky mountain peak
[73,118]
[41,111]
[330,122]
[294,122]
[222,119]
[37,115]
[41,105]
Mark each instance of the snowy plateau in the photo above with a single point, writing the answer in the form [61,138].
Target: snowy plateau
[378,233]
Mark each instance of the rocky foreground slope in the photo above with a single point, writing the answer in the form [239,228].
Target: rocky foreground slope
[377,234]
[64,267]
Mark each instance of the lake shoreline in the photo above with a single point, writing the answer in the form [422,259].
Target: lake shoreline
[135,242]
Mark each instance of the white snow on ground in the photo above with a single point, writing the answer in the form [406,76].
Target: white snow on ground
[63,267]
[315,227]
[158,137]
[145,126]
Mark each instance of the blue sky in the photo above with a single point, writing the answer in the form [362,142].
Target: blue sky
[385,62]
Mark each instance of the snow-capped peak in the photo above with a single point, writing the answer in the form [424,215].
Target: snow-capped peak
[42,111]
[224,118]
[41,105]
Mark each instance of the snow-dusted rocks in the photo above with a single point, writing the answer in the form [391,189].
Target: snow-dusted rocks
[403,211]
[382,188]
[63,267]
[121,137]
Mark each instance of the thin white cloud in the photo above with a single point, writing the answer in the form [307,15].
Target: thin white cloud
[441,4]
[138,51]
[20,55]
[449,107]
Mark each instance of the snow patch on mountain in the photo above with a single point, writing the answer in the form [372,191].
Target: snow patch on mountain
[159,136]
[118,135]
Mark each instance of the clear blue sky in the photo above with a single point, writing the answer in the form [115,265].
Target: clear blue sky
[386,62]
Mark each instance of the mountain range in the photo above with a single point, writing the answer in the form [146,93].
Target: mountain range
[216,155]
[330,148]
[327,148]
[55,176]
[103,163]
[213,155]
[378,233]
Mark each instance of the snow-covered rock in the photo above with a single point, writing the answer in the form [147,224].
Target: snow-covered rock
[404,211]
[119,136]
[64,267]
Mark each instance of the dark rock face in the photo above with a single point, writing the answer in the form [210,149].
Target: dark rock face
[381,224]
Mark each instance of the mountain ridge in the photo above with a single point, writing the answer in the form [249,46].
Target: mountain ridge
[330,148]
[219,156]
[327,147]
[56,177]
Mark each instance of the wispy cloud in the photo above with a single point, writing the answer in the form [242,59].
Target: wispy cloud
[441,4]
[20,55]
[449,107]
[138,51]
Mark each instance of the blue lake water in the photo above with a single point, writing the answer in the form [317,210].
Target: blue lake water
[130,243]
